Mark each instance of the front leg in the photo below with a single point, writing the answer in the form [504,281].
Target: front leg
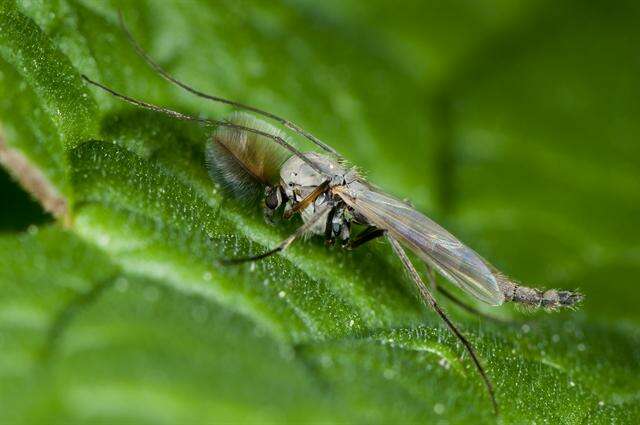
[337,226]
[328,228]
[306,227]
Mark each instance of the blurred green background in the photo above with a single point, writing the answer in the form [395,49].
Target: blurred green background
[514,124]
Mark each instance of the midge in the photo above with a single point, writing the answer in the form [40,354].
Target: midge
[251,158]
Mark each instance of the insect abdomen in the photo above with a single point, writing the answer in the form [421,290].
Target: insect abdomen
[550,299]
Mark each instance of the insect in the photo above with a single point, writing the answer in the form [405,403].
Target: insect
[252,158]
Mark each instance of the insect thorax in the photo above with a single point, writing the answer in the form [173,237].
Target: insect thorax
[296,175]
[298,180]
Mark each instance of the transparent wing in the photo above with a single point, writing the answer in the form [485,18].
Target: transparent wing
[433,244]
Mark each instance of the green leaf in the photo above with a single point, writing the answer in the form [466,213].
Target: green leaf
[518,133]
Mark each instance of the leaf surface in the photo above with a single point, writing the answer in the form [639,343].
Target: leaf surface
[523,148]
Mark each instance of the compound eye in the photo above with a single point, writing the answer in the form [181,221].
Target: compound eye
[272,200]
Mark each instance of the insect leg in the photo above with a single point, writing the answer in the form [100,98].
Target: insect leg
[428,299]
[365,236]
[448,295]
[153,64]
[209,122]
[284,244]
[328,227]
[308,200]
